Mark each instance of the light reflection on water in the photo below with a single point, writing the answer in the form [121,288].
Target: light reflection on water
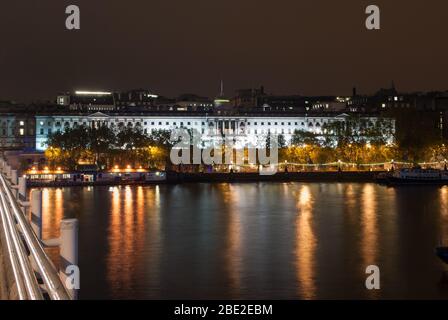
[306,244]
[262,240]
[232,200]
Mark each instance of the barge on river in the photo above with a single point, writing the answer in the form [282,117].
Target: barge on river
[416,176]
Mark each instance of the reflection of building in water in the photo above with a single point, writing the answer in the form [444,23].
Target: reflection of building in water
[351,204]
[306,244]
[233,247]
[443,195]
[119,269]
[52,214]
[369,241]
[128,230]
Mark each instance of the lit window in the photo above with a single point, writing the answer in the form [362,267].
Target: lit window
[22,123]
[22,131]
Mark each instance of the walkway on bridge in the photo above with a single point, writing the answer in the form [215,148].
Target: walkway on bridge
[26,272]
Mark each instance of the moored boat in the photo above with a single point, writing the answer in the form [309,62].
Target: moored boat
[382,177]
[418,176]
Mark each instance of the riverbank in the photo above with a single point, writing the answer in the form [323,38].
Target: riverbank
[312,176]
[176,177]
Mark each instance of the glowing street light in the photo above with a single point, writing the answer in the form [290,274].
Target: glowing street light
[95,93]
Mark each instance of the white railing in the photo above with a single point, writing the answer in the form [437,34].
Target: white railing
[35,276]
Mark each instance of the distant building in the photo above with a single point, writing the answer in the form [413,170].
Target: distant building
[256,100]
[248,98]
[244,128]
[326,104]
[192,102]
[139,99]
[17,131]
[88,101]
[272,103]
[441,105]
[252,114]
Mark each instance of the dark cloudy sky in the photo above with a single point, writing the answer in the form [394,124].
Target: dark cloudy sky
[179,46]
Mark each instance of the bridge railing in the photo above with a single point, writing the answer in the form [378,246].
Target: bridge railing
[35,276]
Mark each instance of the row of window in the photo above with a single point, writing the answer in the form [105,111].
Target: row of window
[49,131]
[152,123]
[211,124]
[20,132]
[220,124]
[5,123]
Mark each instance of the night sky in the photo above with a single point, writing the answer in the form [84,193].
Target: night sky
[181,46]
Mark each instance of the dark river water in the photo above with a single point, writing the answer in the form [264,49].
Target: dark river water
[255,241]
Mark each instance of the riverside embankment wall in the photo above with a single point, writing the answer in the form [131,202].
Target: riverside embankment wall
[175,177]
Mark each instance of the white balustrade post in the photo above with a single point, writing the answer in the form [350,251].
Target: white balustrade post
[22,189]
[36,212]
[69,270]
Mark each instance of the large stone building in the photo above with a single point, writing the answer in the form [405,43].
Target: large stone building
[242,128]
[17,127]
[252,116]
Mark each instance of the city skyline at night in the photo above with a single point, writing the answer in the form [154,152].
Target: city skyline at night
[224,159]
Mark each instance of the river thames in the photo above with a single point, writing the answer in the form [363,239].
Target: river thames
[254,240]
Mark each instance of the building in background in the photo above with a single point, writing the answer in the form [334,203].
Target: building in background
[138,99]
[245,129]
[17,131]
[87,101]
[251,112]
[193,102]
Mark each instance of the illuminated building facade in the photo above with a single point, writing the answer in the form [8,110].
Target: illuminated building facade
[244,129]
[17,131]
